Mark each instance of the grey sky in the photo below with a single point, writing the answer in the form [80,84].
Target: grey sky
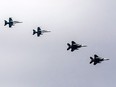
[30,61]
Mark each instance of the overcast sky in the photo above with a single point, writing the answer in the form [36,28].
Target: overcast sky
[30,61]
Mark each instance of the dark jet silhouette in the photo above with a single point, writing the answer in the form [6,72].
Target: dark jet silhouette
[39,31]
[97,59]
[74,46]
[11,22]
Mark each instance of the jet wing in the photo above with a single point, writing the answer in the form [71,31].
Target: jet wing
[72,49]
[38,34]
[10,20]
[38,29]
[95,56]
[94,63]
[10,25]
[73,42]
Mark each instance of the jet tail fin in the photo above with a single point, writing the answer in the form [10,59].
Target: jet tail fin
[34,32]
[5,22]
[69,46]
[91,60]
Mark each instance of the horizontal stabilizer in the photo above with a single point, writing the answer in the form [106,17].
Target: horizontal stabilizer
[34,32]
[68,46]
[91,60]
[5,22]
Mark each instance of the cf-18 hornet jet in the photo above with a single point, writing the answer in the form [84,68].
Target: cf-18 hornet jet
[11,22]
[39,31]
[74,46]
[97,59]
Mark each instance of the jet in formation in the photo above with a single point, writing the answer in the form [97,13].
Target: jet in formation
[74,46]
[39,31]
[11,22]
[97,59]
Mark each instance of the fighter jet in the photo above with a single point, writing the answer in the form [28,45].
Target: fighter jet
[74,46]
[11,22]
[39,31]
[97,59]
